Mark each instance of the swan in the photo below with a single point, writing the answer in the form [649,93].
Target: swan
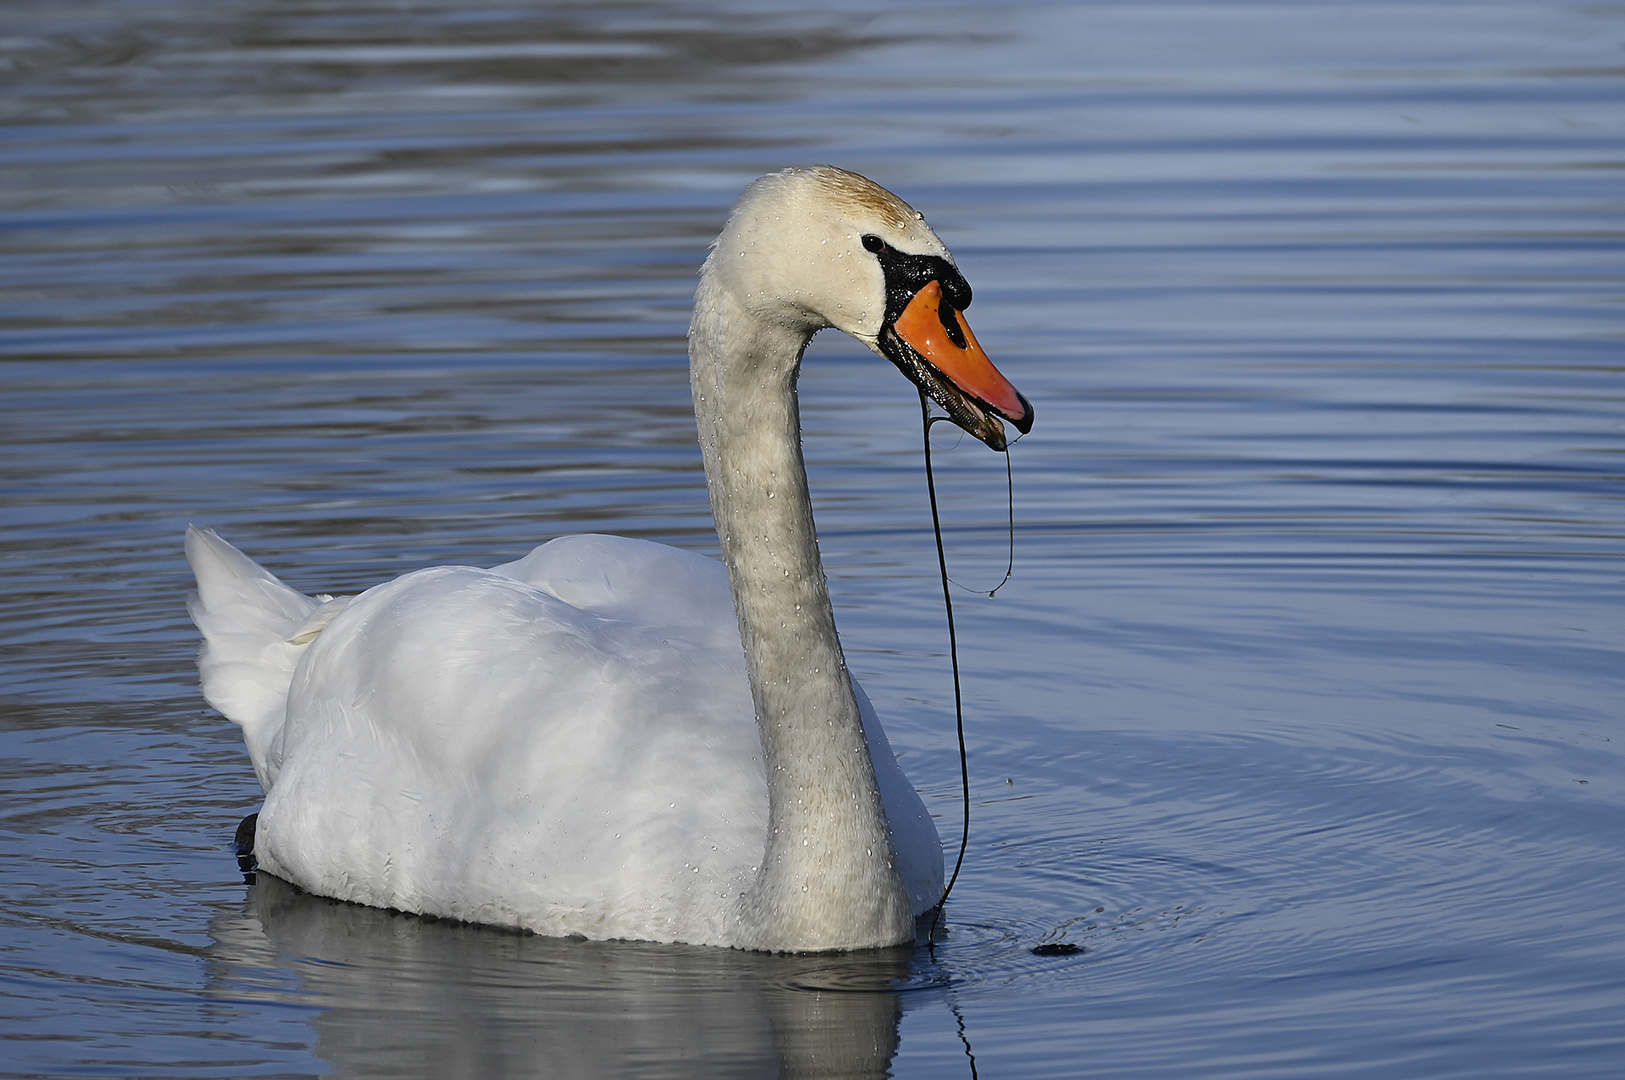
[612,738]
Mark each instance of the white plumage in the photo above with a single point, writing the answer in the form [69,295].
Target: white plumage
[564,743]
[578,742]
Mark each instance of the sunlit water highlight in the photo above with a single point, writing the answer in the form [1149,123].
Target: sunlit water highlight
[1301,716]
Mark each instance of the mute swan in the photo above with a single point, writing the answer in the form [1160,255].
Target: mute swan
[576,743]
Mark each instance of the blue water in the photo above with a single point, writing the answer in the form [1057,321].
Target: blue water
[1301,715]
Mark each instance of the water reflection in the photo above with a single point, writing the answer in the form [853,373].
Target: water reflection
[398,995]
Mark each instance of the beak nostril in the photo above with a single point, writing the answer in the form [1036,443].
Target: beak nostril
[951,324]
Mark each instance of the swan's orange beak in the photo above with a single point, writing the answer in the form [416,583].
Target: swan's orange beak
[940,337]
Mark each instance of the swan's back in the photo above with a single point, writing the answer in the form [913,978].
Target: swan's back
[472,744]
[564,743]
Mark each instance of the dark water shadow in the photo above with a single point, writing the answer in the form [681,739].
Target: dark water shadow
[397,995]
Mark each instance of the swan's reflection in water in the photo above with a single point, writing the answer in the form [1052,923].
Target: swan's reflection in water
[401,996]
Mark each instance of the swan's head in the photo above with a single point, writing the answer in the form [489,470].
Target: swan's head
[824,247]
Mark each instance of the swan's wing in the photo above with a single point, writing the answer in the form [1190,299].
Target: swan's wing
[465,742]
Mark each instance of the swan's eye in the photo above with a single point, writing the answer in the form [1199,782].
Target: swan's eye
[907,274]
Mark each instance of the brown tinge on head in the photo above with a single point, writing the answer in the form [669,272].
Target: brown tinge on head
[860,190]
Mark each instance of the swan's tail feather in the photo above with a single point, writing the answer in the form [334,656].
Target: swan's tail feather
[254,630]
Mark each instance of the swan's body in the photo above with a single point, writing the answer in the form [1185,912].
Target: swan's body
[602,739]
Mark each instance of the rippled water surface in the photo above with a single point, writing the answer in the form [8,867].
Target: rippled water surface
[1302,716]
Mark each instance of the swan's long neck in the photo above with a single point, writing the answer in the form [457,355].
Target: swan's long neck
[827,880]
